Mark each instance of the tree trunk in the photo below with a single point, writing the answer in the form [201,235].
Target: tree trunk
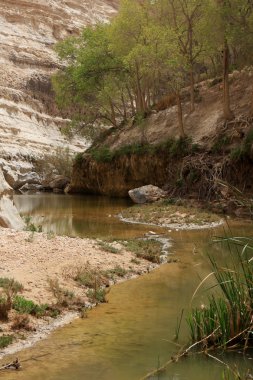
[139,99]
[192,95]
[180,115]
[131,100]
[113,115]
[228,114]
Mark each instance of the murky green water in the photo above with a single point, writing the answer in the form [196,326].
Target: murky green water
[133,333]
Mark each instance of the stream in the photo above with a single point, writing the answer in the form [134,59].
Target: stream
[133,333]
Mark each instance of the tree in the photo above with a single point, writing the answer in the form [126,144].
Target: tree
[90,82]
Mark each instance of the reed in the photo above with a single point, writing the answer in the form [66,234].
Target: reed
[227,320]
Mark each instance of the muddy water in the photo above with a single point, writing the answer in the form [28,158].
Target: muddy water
[133,332]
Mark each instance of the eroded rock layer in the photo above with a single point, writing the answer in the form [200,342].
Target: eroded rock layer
[29,120]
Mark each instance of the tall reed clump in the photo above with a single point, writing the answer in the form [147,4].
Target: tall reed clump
[227,320]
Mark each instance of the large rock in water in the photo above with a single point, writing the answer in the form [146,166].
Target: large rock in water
[147,194]
[9,216]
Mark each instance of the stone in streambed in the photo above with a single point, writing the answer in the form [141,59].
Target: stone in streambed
[147,194]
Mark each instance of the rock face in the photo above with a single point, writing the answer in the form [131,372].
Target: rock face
[118,177]
[30,122]
[9,216]
[146,194]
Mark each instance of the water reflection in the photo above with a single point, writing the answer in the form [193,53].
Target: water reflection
[133,333]
[88,216]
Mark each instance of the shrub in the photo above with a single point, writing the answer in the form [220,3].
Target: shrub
[21,321]
[24,306]
[116,271]
[97,295]
[30,226]
[10,283]
[63,296]
[5,307]
[148,249]
[87,276]
[5,340]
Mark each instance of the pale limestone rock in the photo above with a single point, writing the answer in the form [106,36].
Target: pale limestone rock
[30,123]
[146,194]
[9,216]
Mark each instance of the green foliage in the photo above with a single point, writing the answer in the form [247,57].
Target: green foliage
[63,296]
[30,226]
[174,148]
[78,158]
[116,271]
[243,151]
[220,144]
[97,295]
[24,306]
[10,283]
[151,49]
[148,249]
[227,319]
[5,340]
[108,247]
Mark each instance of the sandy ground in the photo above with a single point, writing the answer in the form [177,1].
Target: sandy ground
[32,259]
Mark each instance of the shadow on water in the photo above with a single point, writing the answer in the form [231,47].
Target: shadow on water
[133,333]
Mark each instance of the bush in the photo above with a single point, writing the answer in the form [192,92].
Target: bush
[148,249]
[5,340]
[116,271]
[10,283]
[63,296]
[5,307]
[21,321]
[97,295]
[24,306]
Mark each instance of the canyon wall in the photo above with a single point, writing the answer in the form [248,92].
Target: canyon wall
[30,123]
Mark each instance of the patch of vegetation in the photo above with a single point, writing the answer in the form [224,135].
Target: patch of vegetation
[10,288]
[78,159]
[5,340]
[175,148]
[21,322]
[116,271]
[243,151]
[63,296]
[135,261]
[97,295]
[30,226]
[87,276]
[24,306]
[220,144]
[9,283]
[107,247]
[162,213]
[227,319]
[60,160]
[5,307]
[148,249]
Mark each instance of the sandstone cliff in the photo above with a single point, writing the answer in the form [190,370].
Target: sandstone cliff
[30,123]
[29,120]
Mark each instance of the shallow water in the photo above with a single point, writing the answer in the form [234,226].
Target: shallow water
[131,334]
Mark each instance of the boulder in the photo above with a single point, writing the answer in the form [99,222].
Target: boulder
[9,216]
[16,179]
[59,183]
[30,187]
[147,194]
[5,188]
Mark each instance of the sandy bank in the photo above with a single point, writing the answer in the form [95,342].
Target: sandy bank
[33,258]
